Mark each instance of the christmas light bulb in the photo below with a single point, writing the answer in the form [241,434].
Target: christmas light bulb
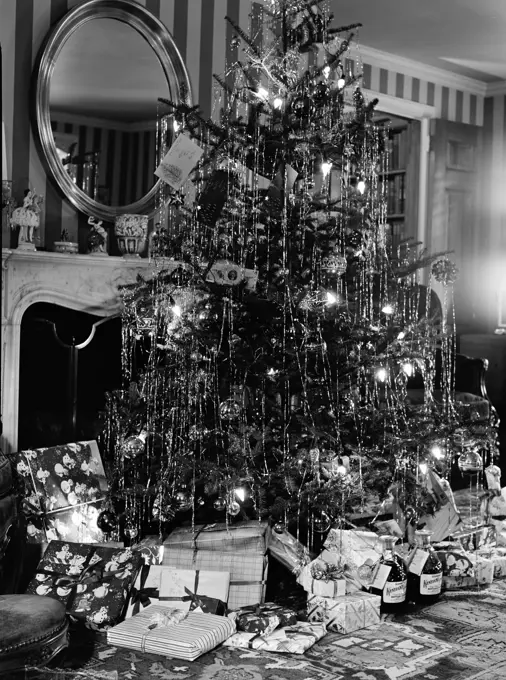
[423,468]
[332,298]
[262,93]
[341,470]
[341,83]
[381,374]
[388,309]
[326,71]
[176,125]
[177,311]
[272,372]
[401,335]
[408,368]
[437,451]
[277,103]
[361,186]
[326,168]
[241,494]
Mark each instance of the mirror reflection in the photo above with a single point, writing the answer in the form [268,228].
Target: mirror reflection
[103,107]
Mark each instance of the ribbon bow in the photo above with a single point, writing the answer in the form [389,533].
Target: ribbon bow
[93,573]
[203,601]
[323,571]
[142,595]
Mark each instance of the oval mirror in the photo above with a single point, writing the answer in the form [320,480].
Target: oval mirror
[96,87]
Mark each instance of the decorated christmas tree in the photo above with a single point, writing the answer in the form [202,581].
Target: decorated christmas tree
[268,353]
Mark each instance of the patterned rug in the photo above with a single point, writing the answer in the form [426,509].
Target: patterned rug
[462,637]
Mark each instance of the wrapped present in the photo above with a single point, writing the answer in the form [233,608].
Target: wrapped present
[295,639]
[323,578]
[474,538]
[92,582]
[248,571]
[263,618]
[151,630]
[146,589]
[288,550]
[456,563]
[345,614]
[191,589]
[63,488]
[221,537]
[498,558]
[358,552]
[446,519]
[151,549]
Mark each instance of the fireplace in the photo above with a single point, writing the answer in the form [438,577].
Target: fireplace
[66,285]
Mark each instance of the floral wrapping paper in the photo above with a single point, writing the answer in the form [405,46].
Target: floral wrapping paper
[456,563]
[356,551]
[288,551]
[295,639]
[92,582]
[188,639]
[346,614]
[221,537]
[498,559]
[63,488]
[263,618]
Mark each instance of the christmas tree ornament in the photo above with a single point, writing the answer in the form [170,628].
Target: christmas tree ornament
[131,532]
[220,504]
[107,521]
[279,527]
[334,264]
[161,510]
[134,445]
[230,409]
[470,462]
[233,508]
[322,524]
[183,500]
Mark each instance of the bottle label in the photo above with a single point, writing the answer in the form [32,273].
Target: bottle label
[430,584]
[380,574]
[417,561]
[394,591]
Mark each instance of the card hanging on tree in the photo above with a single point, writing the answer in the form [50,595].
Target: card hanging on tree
[179,161]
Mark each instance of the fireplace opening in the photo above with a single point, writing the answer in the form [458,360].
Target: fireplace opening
[68,361]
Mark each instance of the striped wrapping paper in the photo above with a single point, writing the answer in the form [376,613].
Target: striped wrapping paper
[187,639]
[239,537]
[248,571]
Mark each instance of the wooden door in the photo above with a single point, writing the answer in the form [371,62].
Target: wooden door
[453,211]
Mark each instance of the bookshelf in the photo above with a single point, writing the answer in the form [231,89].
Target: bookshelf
[400,176]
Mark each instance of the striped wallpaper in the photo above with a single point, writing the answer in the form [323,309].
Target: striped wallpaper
[204,40]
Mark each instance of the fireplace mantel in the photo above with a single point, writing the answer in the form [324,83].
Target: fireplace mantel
[87,283]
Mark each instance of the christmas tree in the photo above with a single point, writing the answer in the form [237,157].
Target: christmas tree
[268,354]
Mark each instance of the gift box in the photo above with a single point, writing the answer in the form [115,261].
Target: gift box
[191,589]
[263,618]
[295,639]
[92,582]
[498,558]
[251,537]
[358,553]
[476,537]
[446,519]
[146,589]
[63,488]
[323,578]
[188,639]
[151,549]
[248,571]
[288,550]
[456,563]
[345,614]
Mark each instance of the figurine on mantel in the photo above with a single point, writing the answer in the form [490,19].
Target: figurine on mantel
[27,218]
[97,238]
[65,245]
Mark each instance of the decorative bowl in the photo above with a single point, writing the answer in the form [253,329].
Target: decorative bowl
[68,247]
[131,232]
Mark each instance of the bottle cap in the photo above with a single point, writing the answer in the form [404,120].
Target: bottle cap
[423,536]
[388,541]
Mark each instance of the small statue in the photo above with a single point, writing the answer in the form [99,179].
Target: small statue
[27,219]
[97,238]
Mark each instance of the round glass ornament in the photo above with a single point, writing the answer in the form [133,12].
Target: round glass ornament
[107,521]
[470,462]
[220,504]
[233,508]
[134,445]
[230,409]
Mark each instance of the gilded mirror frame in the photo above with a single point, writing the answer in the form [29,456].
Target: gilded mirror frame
[164,47]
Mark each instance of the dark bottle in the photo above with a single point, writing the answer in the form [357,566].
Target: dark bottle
[390,579]
[425,571]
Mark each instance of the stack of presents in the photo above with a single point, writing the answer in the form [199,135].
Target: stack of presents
[205,585]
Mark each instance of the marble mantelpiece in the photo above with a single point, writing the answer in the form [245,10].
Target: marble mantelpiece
[87,283]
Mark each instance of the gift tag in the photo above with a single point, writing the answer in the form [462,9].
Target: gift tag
[179,161]
[380,575]
[417,561]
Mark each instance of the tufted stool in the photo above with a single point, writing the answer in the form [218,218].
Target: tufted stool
[33,630]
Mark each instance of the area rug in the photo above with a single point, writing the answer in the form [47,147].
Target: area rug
[461,637]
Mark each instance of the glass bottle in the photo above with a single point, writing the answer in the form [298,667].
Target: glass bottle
[390,579]
[425,571]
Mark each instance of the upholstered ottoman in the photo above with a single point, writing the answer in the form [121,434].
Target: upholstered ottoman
[33,630]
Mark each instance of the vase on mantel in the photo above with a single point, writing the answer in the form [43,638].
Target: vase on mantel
[131,232]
